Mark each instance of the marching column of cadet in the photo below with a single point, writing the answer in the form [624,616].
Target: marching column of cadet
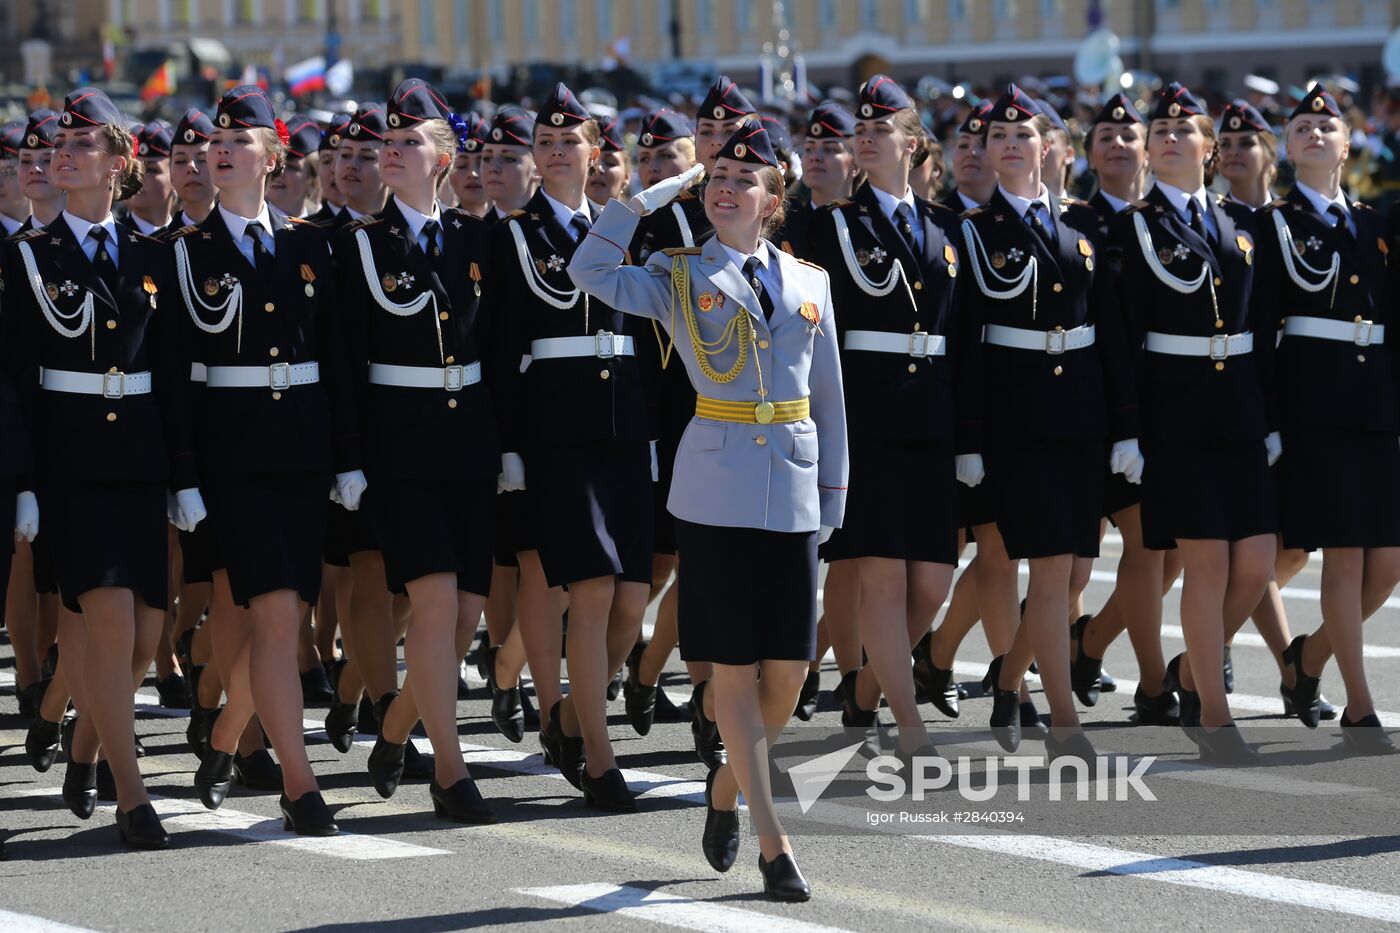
[388,418]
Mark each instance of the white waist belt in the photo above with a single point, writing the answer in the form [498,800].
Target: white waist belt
[199,372]
[602,345]
[1361,333]
[451,378]
[1053,342]
[1219,347]
[107,385]
[917,344]
[276,376]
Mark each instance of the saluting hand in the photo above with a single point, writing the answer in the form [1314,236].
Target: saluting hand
[349,487]
[189,509]
[970,469]
[26,516]
[661,193]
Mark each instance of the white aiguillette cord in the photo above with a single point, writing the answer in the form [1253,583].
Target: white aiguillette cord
[231,306]
[56,318]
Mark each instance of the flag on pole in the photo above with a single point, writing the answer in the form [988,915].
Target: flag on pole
[306,76]
[158,85]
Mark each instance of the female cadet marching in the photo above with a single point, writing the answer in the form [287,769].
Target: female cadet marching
[1203,355]
[574,434]
[412,277]
[1038,396]
[108,429]
[258,300]
[761,471]
[1323,265]
[893,264]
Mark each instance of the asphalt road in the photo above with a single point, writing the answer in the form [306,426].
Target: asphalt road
[1307,842]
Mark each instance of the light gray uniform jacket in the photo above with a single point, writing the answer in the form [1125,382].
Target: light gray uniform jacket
[780,477]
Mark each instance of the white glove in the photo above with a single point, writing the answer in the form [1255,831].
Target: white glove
[1127,459]
[172,510]
[969,468]
[349,487]
[189,509]
[26,516]
[512,472]
[824,534]
[661,193]
[1274,445]
[655,468]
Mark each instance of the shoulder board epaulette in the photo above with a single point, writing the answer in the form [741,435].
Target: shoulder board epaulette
[838,203]
[1073,202]
[1142,205]
[686,195]
[1277,202]
[808,262]
[298,220]
[183,231]
[520,212]
[28,235]
[365,221]
[1364,207]
[682,251]
[973,212]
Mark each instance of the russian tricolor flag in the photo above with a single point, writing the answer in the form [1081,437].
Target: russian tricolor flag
[306,76]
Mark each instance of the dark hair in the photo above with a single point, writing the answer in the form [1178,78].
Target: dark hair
[773,183]
[1207,128]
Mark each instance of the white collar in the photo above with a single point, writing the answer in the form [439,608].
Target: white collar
[740,259]
[354,214]
[968,203]
[564,212]
[10,224]
[1181,200]
[889,203]
[1021,205]
[82,227]
[188,221]
[1321,202]
[1268,199]
[416,218]
[1117,203]
[238,225]
[595,208]
[142,226]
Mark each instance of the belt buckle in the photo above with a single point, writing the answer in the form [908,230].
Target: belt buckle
[604,347]
[1362,337]
[113,385]
[1055,341]
[279,376]
[919,344]
[453,378]
[1219,346]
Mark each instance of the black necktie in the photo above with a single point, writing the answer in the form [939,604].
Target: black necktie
[1198,222]
[262,259]
[1042,225]
[904,223]
[1339,221]
[751,273]
[430,234]
[102,259]
[578,227]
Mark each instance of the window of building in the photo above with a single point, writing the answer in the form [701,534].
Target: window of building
[1052,8]
[826,14]
[461,21]
[915,11]
[604,21]
[497,27]
[427,23]
[704,17]
[869,14]
[529,21]
[743,16]
[665,9]
[957,9]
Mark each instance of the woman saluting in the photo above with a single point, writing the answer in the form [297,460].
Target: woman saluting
[761,471]
[88,307]
[276,421]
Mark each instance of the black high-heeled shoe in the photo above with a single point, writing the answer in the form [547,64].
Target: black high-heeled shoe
[615,686]
[139,828]
[367,721]
[386,766]
[532,715]
[80,788]
[417,766]
[200,726]
[1188,701]
[720,841]
[609,791]
[106,782]
[31,698]
[1227,668]
[41,743]
[1305,691]
[550,737]
[1161,710]
[1225,746]
[460,803]
[705,731]
[639,699]
[572,758]
[174,692]
[1032,726]
[807,698]
[213,778]
[68,729]
[1075,745]
[853,717]
[668,711]
[506,711]
[257,771]
[341,720]
[1365,737]
[315,686]
[1325,710]
[1005,720]
[934,682]
[1106,682]
[782,879]
[308,815]
[1084,670]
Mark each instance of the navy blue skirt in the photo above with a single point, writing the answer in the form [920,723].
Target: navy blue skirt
[1047,495]
[107,535]
[902,503]
[747,595]
[269,531]
[1339,489]
[347,533]
[434,526]
[1206,491]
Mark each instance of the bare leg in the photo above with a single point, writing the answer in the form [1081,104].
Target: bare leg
[110,617]
[22,615]
[1135,604]
[541,610]
[1044,625]
[884,630]
[840,611]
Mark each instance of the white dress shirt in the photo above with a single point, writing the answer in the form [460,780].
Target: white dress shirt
[82,228]
[1321,203]
[1181,200]
[416,220]
[238,226]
